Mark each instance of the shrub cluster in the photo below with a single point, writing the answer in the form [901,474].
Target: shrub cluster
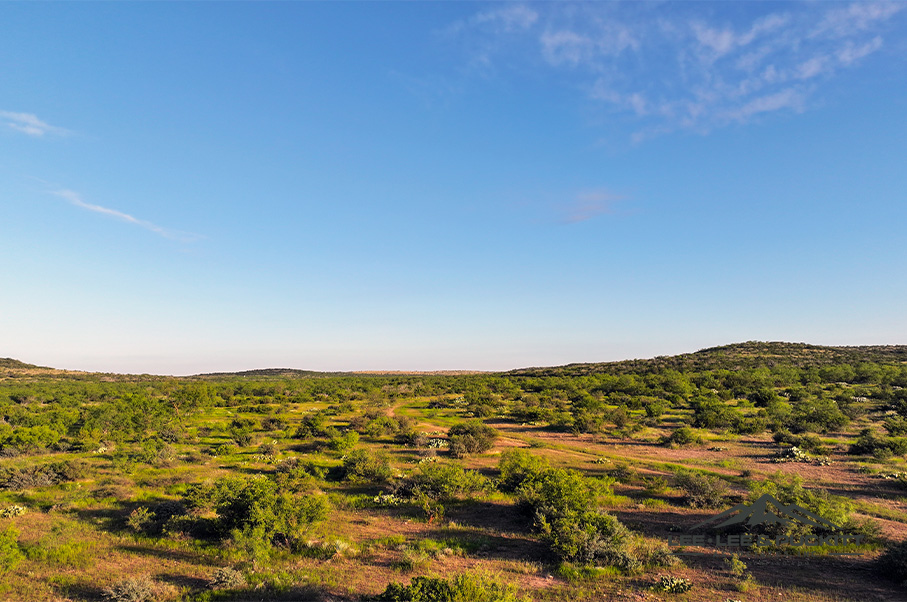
[807,442]
[870,444]
[701,490]
[682,436]
[442,480]
[471,437]
[364,466]
[256,503]
[40,476]
[565,510]
[462,588]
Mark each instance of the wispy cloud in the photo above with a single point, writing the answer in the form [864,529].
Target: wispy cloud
[507,19]
[28,123]
[589,204]
[75,199]
[685,68]
[518,17]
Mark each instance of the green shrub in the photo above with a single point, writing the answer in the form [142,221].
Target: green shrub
[345,442]
[817,415]
[868,443]
[412,438]
[269,449]
[298,476]
[736,566]
[516,466]
[273,423]
[10,554]
[468,587]
[442,480]
[700,490]
[682,436]
[224,449]
[312,425]
[471,437]
[364,466]
[788,489]
[673,585]
[256,502]
[565,510]
[430,506]
[140,519]
[807,441]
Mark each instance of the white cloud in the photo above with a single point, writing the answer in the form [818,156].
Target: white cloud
[28,123]
[566,47]
[851,53]
[510,19]
[75,198]
[813,67]
[789,99]
[855,18]
[681,70]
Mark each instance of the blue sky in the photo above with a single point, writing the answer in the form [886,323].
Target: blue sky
[337,186]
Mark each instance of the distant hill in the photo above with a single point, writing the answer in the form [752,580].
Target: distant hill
[752,354]
[8,362]
[749,355]
[269,373]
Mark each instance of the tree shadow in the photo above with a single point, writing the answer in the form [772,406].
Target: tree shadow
[183,581]
[168,554]
[488,515]
[501,547]
[80,591]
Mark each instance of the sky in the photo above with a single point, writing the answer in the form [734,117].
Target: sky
[198,187]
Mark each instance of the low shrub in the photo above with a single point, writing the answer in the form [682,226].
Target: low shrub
[12,511]
[364,466]
[868,443]
[44,475]
[441,480]
[673,585]
[516,466]
[345,442]
[682,436]
[471,437]
[227,578]
[564,506]
[134,589]
[256,503]
[789,489]
[700,490]
[462,588]
[10,554]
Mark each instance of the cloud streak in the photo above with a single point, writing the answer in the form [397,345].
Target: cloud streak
[589,204]
[75,199]
[28,123]
[683,68]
